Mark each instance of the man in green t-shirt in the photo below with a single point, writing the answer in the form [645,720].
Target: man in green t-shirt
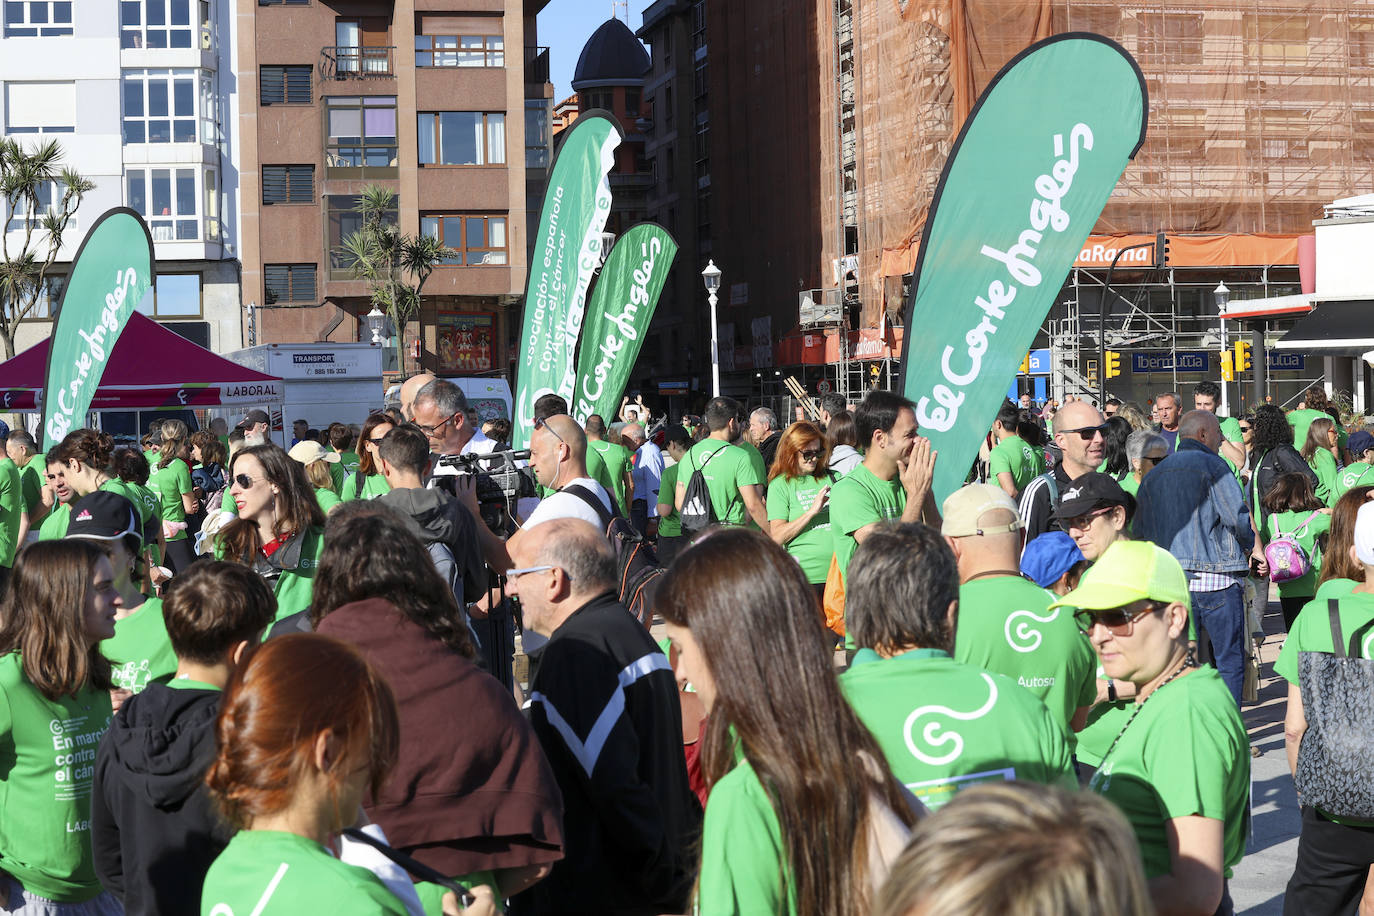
[1004,621]
[731,478]
[14,518]
[943,725]
[23,451]
[614,465]
[676,442]
[1013,462]
[1207,396]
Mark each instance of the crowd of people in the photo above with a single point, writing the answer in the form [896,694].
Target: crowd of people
[242,678]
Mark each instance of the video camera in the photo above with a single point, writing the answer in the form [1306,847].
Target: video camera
[500,483]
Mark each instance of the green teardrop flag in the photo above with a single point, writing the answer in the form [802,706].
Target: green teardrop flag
[112,271]
[1026,180]
[618,316]
[566,254]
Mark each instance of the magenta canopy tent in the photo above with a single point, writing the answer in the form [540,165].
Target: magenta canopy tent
[150,367]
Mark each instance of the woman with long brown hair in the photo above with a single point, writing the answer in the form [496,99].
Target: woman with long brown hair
[305,729]
[1340,573]
[367,482]
[803,816]
[1319,451]
[55,690]
[171,481]
[798,514]
[279,529]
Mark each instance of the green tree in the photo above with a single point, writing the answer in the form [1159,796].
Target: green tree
[25,179]
[395,265]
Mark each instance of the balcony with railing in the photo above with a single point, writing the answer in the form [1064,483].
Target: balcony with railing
[536,64]
[343,62]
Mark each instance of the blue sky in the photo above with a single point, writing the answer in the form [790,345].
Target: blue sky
[565,26]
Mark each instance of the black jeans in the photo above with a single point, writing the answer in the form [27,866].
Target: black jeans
[1290,608]
[1333,862]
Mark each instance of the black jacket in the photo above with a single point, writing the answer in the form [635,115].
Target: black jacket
[153,831]
[1272,465]
[603,702]
[1038,500]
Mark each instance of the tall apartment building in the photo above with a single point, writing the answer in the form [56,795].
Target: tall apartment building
[429,98]
[139,95]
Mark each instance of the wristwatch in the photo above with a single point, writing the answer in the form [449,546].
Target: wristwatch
[1111,691]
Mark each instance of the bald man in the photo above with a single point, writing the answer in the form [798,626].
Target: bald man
[603,703]
[558,457]
[1078,433]
[409,389]
[647,476]
[1192,506]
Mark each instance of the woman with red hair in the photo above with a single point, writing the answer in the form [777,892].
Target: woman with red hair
[798,514]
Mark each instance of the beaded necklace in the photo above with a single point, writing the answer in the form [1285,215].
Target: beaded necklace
[1187,663]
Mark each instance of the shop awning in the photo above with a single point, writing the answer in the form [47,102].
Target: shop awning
[1334,328]
[150,367]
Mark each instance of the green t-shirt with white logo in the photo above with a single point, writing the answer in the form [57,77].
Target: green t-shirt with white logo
[48,751]
[726,469]
[1183,753]
[170,484]
[1230,430]
[1311,631]
[789,498]
[944,726]
[1323,464]
[147,506]
[615,465]
[1354,475]
[1305,528]
[344,468]
[275,873]
[374,485]
[140,652]
[1005,626]
[1015,456]
[669,526]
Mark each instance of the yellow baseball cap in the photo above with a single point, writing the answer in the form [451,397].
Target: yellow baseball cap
[1129,571]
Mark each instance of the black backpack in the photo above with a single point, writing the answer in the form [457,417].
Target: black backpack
[637,566]
[697,513]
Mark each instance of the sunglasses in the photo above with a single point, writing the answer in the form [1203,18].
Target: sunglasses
[1153,459]
[1116,620]
[516,573]
[244,481]
[1083,522]
[1086,433]
[1245,429]
[811,454]
[540,423]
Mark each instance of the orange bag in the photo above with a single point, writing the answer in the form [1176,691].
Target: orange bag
[833,602]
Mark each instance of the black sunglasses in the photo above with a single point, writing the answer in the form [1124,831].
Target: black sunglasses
[245,481]
[811,454]
[540,423]
[1114,619]
[1086,433]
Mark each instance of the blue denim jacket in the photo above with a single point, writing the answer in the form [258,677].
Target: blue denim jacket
[1191,505]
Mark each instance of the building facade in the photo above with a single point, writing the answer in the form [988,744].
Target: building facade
[437,101]
[140,96]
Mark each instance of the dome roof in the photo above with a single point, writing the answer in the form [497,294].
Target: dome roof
[611,57]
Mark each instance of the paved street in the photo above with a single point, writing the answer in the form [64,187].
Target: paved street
[1257,887]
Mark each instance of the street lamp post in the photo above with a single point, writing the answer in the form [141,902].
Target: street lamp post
[1223,296]
[375,322]
[711,278]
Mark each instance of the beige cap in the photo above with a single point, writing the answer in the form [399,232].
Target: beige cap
[308,451]
[965,506]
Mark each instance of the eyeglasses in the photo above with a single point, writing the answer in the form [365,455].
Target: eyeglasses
[433,430]
[541,423]
[1154,459]
[1115,619]
[1083,522]
[1086,433]
[244,481]
[516,573]
[810,454]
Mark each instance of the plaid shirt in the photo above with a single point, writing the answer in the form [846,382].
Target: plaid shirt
[1212,582]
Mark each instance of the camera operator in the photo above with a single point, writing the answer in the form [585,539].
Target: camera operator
[440,410]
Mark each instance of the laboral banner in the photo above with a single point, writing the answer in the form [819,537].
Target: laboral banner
[1023,186]
[618,316]
[567,252]
[112,271]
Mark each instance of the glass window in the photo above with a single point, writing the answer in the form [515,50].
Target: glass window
[537,140]
[344,220]
[167,198]
[460,51]
[362,131]
[462,138]
[159,106]
[478,240]
[49,194]
[176,295]
[288,283]
[155,24]
[40,108]
[38,18]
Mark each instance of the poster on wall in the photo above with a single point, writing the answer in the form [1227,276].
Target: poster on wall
[465,341]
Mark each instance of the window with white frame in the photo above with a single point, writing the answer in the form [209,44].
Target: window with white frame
[160,106]
[167,198]
[38,18]
[479,240]
[157,23]
[40,108]
[462,138]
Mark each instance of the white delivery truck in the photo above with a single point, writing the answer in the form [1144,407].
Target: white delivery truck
[322,383]
[490,397]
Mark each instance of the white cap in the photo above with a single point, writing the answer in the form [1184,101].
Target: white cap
[1364,534]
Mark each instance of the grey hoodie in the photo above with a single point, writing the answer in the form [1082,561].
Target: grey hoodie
[449,532]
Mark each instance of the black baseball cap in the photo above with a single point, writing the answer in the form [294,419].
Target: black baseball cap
[103,516]
[1094,490]
[254,417]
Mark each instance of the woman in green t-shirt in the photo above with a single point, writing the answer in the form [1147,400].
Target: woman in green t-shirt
[1340,573]
[171,481]
[798,515]
[799,787]
[54,706]
[367,481]
[1319,453]
[318,464]
[305,729]
[1292,509]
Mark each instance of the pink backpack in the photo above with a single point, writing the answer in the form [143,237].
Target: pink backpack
[1286,558]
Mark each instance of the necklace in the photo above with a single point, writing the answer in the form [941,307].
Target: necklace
[1141,705]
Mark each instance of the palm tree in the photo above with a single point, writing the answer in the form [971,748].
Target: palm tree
[24,175]
[394,265]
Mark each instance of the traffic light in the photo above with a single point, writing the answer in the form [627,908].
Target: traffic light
[1025,365]
[1242,356]
[1228,370]
[1092,372]
[1113,364]
[1161,250]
